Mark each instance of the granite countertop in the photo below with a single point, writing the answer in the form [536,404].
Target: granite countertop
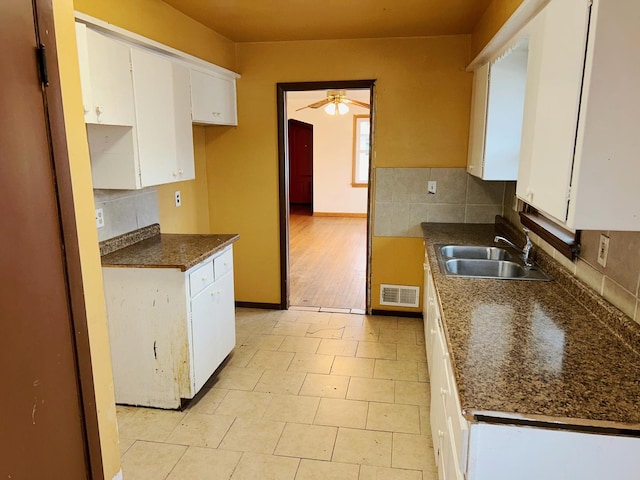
[167,250]
[531,352]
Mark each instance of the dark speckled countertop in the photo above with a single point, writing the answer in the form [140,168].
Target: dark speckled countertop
[168,250]
[530,351]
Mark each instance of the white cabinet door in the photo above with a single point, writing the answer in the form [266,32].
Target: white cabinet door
[213,99]
[205,336]
[477,129]
[153,88]
[507,82]
[496,114]
[160,118]
[605,193]
[557,46]
[225,315]
[108,73]
[182,122]
[213,325]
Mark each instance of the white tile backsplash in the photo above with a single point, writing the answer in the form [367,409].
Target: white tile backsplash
[126,210]
[402,201]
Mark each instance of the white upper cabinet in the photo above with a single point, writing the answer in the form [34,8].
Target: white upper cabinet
[137,98]
[105,74]
[496,115]
[580,132]
[213,99]
[163,120]
[158,149]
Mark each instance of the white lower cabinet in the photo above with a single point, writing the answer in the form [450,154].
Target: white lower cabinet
[449,430]
[496,451]
[169,330]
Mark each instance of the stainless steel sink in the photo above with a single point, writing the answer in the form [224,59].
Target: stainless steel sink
[475,251]
[485,261]
[484,268]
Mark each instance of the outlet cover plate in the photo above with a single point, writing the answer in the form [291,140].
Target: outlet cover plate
[603,250]
[178,198]
[99,218]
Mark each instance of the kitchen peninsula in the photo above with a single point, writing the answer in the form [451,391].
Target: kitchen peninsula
[170,312]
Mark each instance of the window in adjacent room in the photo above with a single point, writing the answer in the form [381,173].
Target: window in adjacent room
[361,136]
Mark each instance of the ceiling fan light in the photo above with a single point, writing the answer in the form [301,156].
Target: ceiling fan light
[330,108]
[342,108]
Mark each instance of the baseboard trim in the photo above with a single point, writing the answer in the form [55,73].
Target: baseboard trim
[338,214]
[264,306]
[392,313]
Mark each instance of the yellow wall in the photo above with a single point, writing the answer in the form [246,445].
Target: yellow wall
[493,18]
[193,215]
[422,118]
[160,22]
[398,261]
[87,235]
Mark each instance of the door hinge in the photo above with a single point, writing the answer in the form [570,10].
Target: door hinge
[41,53]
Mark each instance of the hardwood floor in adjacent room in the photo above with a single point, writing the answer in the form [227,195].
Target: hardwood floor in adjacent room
[327,260]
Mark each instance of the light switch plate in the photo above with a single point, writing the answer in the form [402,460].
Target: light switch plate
[432,186]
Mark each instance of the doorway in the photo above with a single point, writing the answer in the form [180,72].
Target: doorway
[333,227]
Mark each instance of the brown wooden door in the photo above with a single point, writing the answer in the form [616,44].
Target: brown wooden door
[42,424]
[301,162]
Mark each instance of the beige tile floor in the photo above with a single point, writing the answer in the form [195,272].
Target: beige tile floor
[304,396]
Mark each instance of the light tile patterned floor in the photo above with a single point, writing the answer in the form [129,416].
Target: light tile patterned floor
[304,396]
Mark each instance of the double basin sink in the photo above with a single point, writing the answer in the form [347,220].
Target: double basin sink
[480,261]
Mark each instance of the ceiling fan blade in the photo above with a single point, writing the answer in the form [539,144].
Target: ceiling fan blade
[356,102]
[316,104]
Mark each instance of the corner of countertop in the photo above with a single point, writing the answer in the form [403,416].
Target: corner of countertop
[121,241]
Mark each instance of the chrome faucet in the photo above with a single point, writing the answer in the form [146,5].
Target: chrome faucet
[526,250]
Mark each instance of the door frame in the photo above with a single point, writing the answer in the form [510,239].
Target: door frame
[283,174]
[52,95]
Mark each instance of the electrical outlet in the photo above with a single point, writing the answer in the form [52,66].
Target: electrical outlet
[99,218]
[432,186]
[603,250]
[178,199]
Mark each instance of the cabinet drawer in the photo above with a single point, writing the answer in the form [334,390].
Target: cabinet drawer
[200,278]
[223,263]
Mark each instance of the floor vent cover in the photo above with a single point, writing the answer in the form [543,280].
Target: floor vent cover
[399,295]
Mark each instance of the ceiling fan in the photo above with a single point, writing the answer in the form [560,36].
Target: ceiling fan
[336,103]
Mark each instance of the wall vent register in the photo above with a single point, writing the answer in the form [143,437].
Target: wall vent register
[399,295]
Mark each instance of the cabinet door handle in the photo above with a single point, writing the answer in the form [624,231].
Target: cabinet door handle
[443,391]
[180,172]
[175,174]
[204,279]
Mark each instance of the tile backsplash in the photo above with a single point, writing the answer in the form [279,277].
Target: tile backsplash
[618,282]
[402,201]
[126,210]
